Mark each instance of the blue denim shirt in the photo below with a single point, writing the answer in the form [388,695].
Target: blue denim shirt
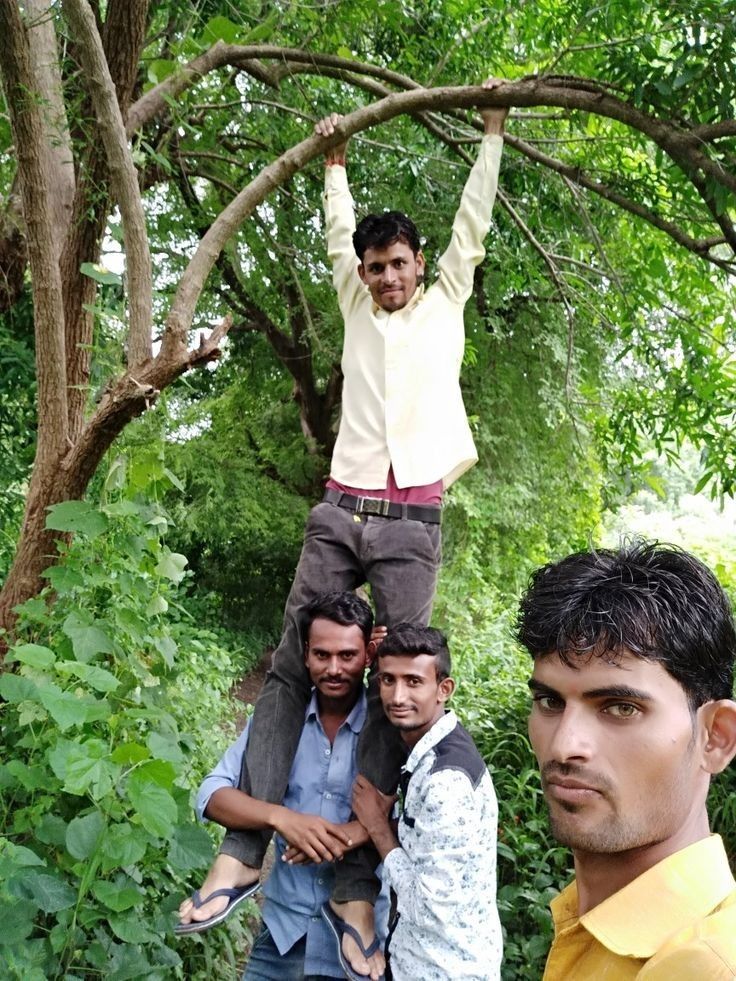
[320,782]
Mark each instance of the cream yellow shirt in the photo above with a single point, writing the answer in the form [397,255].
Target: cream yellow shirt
[401,402]
[676,922]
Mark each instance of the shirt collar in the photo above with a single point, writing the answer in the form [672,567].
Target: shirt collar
[679,890]
[356,716]
[442,727]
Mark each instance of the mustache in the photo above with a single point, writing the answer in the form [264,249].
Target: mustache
[574,771]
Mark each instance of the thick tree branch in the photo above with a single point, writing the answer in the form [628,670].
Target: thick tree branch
[123,178]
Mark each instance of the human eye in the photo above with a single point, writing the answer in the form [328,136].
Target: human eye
[414,682]
[548,703]
[622,710]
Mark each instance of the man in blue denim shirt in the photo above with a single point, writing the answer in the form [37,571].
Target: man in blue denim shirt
[313,823]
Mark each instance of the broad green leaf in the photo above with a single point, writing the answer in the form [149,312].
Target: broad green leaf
[87,638]
[155,807]
[51,830]
[130,753]
[124,846]
[15,689]
[49,892]
[30,777]
[172,565]
[100,274]
[160,772]
[63,579]
[220,29]
[97,678]
[165,747]
[17,921]
[89,771]
[76,516]
[128,963]
[132,929]
[167,649]
[34,655]
[115,896]
[64,707]
[84,834]
[157,604]
[13,857]
[190,848]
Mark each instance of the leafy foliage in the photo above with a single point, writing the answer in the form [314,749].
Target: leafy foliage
[109,713]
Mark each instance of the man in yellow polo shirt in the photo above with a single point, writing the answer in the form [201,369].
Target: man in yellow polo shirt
[632,715]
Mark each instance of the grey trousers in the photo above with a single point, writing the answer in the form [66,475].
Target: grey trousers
[341,550]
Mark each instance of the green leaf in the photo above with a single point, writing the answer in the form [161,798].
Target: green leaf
[17,921]
[30,777]
[157,604]
[191,848]
[220,29]
[97,678]
[129,753]
[15,689]
[83,835]
[116,897]
[154,805]
[76,516]
[63,579]
[124,846]
[165,747]
[167,648]
[49,892]
[87,638]
[64,707]
[100,274]
[14,856]
[88,770]
[132,929]
[172,565]
[34,655]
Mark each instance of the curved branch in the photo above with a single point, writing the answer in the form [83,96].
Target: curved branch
[123,177]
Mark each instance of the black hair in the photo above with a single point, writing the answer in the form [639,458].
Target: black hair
[655,601]
[379,231]
[410,640]
[345,608]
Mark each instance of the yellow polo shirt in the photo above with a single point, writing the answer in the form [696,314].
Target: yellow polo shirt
[676,922]
[401,400]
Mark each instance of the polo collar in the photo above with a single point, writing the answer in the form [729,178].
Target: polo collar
[638,919]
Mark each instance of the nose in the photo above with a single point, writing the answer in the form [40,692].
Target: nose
[572,738]
[333,667]
[399,693]
[389,275]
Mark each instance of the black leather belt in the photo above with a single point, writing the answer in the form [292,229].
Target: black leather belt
[431,513]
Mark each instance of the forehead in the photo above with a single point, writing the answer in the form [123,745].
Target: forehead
[385,254]
[583,676]
[328,634]
[407,665]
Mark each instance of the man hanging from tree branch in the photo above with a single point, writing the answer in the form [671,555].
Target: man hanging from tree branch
[403,438]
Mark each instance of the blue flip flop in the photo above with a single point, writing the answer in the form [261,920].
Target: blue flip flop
[235,897]
[339,928]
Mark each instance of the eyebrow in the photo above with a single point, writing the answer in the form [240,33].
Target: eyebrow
[611,691]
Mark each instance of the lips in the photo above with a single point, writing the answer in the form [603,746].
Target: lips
[571,791]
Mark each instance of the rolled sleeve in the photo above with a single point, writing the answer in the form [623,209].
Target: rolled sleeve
[225,774]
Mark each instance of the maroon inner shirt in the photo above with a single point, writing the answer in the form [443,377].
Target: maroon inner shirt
[427,494]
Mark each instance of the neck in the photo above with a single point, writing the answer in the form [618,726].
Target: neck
[598,876]
[412,736]
[336,710]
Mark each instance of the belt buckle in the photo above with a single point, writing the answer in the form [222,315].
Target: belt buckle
[373,505]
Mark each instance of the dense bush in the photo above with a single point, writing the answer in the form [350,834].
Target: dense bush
[108,720]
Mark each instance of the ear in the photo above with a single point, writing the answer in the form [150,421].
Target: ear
[361,271]
[421,263]
[445,688]
[719,719]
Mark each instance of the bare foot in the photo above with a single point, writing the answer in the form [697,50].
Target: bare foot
[359,915]
[226,872]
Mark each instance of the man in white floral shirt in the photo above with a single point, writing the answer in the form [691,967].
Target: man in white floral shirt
[442,867]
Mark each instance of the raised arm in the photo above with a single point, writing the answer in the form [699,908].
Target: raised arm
[473,217]
[339,218]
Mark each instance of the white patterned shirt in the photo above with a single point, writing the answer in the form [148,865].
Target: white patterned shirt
[444,874]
